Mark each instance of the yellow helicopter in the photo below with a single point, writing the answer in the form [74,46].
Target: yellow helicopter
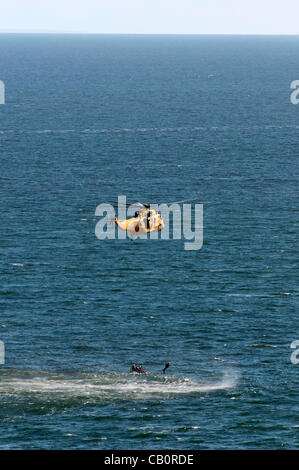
[144,221]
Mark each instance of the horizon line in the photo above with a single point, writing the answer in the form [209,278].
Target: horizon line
[141,34]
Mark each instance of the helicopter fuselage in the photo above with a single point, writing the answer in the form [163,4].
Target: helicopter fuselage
[144,221]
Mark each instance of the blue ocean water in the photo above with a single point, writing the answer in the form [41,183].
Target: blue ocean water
[158,119]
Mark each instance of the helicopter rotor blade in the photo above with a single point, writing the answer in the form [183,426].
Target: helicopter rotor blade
[137,204]
[147,206]
[184,200]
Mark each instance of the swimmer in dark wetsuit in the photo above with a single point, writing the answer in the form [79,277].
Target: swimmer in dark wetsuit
[166,367]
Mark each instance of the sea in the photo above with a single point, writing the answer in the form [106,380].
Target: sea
[157,119]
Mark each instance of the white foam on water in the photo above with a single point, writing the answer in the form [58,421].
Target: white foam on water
[111,386]
[147,129]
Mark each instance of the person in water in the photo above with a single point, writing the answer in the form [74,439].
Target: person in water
[139,370]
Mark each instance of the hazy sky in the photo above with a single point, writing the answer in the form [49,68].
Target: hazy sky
[152,16]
